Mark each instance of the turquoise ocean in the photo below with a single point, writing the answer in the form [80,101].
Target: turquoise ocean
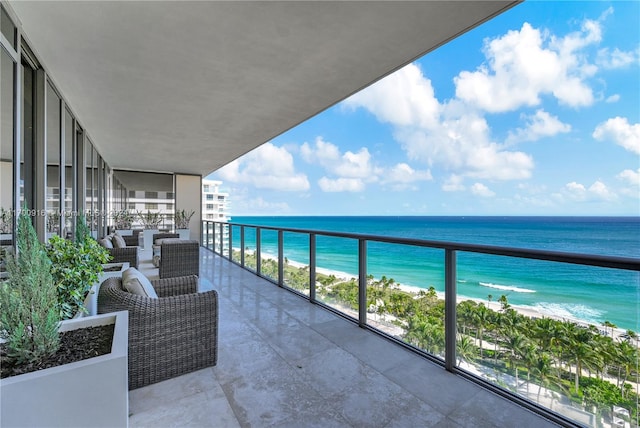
[578,292]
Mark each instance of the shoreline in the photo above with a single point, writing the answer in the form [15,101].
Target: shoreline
[527,311]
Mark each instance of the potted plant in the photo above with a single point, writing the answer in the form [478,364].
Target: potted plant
[35,368]
[150,222]
[182,219]
[123,220]
[76,266]
[53,223]
[6,224]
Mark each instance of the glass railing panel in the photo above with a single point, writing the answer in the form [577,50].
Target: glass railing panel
[250,248]
[269,254]
[563,336]
[234,245]
[296,261]
[337,273]
[405,294]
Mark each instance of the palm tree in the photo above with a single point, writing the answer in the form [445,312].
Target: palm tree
[578,344]
[609,324]
[516,343]
[481,318]
[543,369]
[465,349]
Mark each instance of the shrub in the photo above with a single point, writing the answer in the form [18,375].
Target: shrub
[75,268]
[28,316]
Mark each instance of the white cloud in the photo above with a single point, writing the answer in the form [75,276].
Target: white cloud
[404,98]
[575,191]
[454,184]
[480,189]
[616,58]
[539,125]
[613,98]
[267,167]
[349,164]
[620,132]
[630,177]
[341,184]
[598,191]
[260,205]
[523,65]
[403,173]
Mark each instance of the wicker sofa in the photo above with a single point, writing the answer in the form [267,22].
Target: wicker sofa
[176,333]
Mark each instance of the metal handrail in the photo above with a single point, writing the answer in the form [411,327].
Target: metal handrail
[450,295]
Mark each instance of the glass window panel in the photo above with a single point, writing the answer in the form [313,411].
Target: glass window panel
[53,162]
[6,155]
[68,162]
[7,28]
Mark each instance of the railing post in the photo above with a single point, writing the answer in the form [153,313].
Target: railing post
[242,246]
[280,257]
[221,239]
[230,228]
[312,267]
[208,237]
[258,252]
[450,297]
[362,282]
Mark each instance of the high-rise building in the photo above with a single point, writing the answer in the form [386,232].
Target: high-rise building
[215,203]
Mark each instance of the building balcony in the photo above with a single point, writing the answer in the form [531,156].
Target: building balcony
[286,362]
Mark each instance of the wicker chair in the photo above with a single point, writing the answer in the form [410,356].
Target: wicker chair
[176,333]
[157,236]
[126,254]
[179,258]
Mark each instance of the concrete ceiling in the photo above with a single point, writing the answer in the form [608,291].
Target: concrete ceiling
[190,86]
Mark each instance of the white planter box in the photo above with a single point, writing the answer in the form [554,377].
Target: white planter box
[183,233]
[147,238]
[91,302]
[90,393]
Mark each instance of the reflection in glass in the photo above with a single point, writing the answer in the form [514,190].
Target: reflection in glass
[68,162]
[53,162]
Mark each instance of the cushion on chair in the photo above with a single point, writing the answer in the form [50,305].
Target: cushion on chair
[106,242]
[118,241]
[136,283]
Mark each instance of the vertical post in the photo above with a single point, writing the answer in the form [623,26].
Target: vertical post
[230,229]
[207,235]
[258,255]
[242,246]
[280,257]
[362,282]
[312,267]
[213,242]
[450,295]
[221,234]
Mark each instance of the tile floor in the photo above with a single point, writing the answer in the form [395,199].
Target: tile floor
[284,362]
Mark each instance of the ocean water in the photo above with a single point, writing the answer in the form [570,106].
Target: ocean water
[579,292]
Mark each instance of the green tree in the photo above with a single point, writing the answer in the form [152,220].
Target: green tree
[28,312]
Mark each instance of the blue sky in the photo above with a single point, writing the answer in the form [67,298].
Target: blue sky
[536,112]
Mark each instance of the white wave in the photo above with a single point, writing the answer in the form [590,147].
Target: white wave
[462,281]
[571,311]
[507,287]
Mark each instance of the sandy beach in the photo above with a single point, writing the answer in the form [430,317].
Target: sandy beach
[493,305]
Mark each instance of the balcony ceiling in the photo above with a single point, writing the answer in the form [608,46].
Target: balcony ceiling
[190,86]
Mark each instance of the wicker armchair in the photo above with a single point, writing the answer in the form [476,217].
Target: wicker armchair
[176,333]
[126,254]
[179,258]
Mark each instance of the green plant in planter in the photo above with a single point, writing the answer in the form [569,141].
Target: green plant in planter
[150,220]
[123,219]
[28,311]
[75,268]
[183,218]
[6,220]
